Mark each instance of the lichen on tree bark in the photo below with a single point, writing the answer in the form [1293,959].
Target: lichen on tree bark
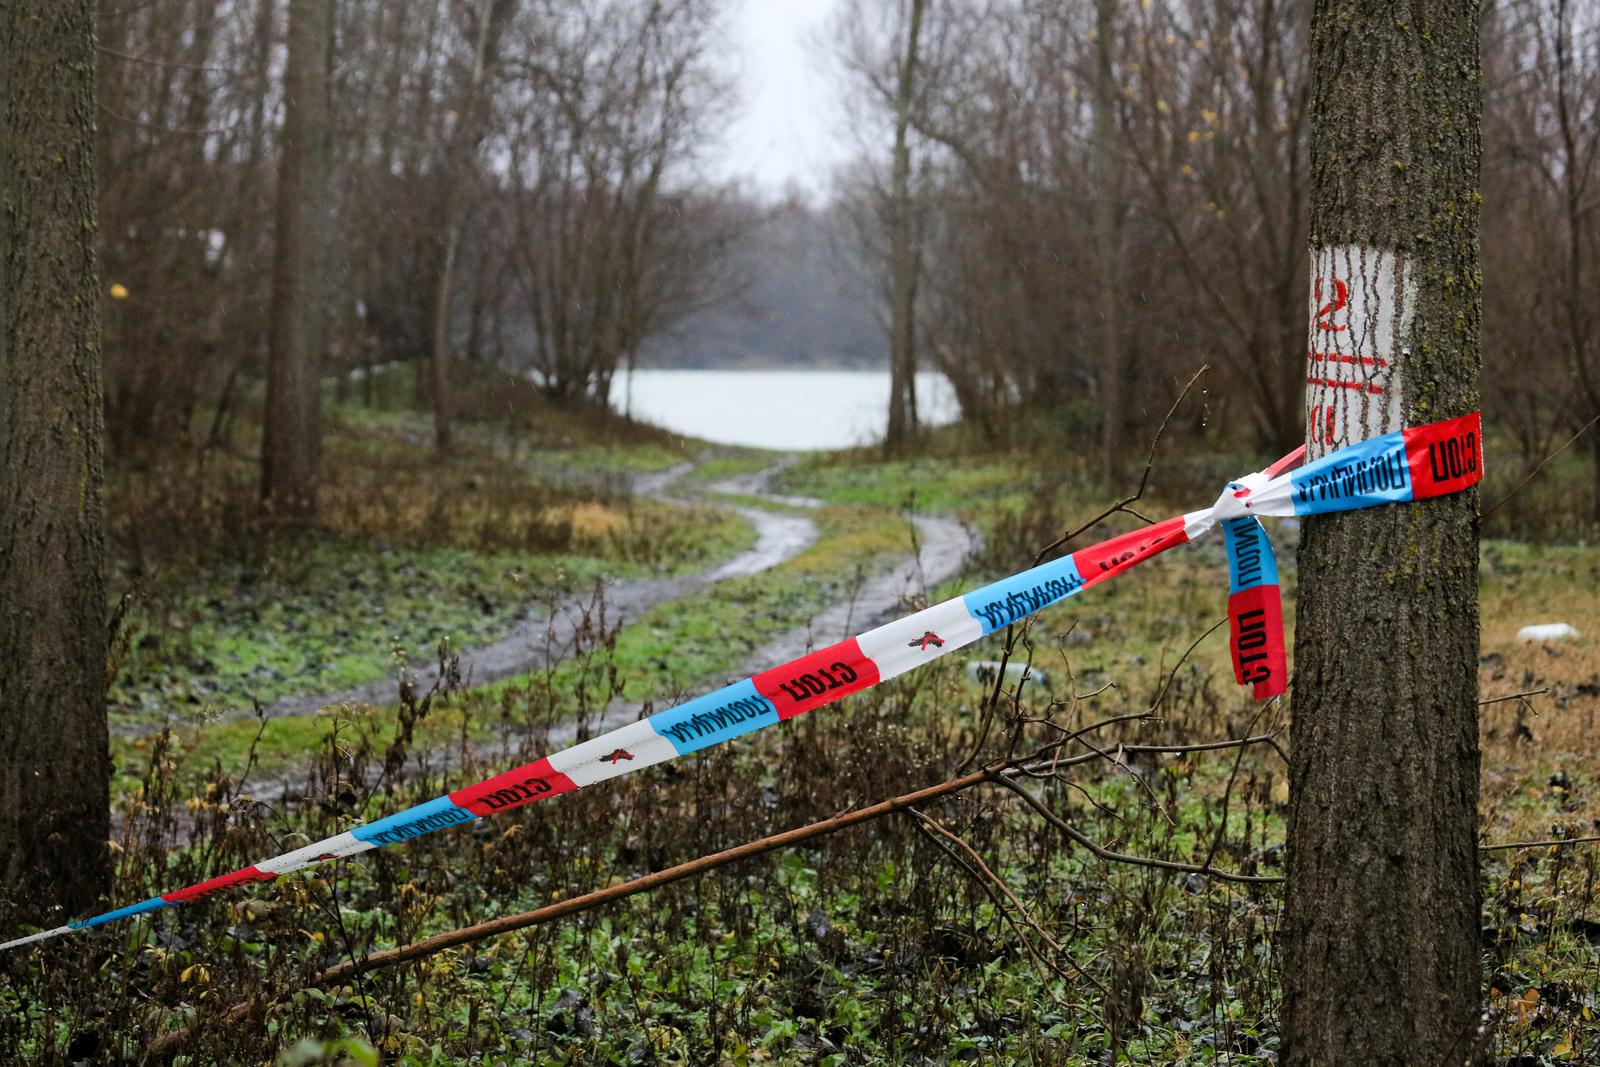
[1382,913]
[55,767]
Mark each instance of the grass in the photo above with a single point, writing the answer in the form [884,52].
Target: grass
[336,613]
[332,620]
[948,485]
[732,464]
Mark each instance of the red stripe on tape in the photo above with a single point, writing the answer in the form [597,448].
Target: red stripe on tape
[1445,457]
[1099,562]
[243,876]
[820,678]
[514,788]
[1289,462]
[1255,640]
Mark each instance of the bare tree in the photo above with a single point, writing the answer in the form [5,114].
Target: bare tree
[892,54]
[290,435]
[55,767]
[1524,356]
[1107,183]
[1218,120]
[1545,169]
[905,257]
[186,101]
[599,117]
[489,18]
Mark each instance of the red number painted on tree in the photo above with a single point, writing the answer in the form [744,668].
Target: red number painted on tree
[1341,298]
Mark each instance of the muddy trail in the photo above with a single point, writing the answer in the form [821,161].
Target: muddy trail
[533,642]
[943,547]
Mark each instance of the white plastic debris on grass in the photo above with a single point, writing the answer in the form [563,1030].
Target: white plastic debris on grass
[1547,631]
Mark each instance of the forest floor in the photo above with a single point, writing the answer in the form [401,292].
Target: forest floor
[883,944]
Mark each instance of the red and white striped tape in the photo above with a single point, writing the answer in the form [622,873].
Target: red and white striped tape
[1412,464]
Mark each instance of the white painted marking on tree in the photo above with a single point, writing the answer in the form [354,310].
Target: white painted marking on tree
[1362,303]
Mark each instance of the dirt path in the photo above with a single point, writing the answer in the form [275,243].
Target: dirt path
[943,547]
[779,537]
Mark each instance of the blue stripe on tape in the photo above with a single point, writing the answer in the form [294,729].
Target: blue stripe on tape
[714,718]
[436,814]
[1004,602]
[1250,559]
[1361,476]
[1367,474]
[153,904]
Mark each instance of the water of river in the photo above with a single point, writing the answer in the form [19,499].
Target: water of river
[782,409]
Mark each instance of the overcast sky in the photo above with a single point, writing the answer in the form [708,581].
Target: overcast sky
[786,124]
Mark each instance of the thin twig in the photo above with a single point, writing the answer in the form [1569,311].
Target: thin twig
[994,885]
[131,121]
[1535,472]
[1227,792]
[1121,857]
[1041,770]
[157,62]
[992,702]
[1166,683]
[978,862]
[1512,696]
[1512,845]
[1119,762]
[1144,479]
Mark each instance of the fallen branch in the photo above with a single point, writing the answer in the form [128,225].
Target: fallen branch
[1552,843]
[1512,696]
[466,935]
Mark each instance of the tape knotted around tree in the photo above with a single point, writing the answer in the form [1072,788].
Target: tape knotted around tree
[1407,465]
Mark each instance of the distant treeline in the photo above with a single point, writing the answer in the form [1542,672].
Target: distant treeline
[1103,195]
[1058,205]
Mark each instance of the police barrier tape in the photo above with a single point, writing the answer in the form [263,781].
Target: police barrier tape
[1412,464]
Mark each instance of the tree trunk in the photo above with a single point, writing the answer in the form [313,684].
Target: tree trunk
[1107,184]
[55,767]
[904,265]
[290,436]
[458,169]
[1382,911]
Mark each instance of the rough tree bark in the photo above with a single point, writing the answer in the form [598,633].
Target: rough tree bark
[904,256]
[55,769]
[290,436]
[1382,913]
